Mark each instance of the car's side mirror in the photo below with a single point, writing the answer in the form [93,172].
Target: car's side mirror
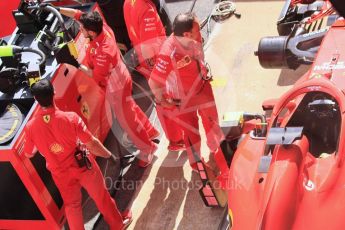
[283,136]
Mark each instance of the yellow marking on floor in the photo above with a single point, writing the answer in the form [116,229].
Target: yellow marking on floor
[219,82]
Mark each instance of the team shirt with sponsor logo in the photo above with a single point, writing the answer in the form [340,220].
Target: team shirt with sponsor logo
[103,56]
[143,24]
[55,134]
[178,68]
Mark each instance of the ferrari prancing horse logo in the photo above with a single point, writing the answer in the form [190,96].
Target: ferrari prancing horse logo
[85,110]
[46,118]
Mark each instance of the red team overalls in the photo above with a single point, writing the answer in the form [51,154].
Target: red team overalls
[111,74]
[145,27]
[180,70]
[55,134]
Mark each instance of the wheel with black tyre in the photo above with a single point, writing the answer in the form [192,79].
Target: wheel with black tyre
[9,80]
[225,223]
[11,118]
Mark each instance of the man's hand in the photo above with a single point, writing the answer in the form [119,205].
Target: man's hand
[150,62]
[30,155]
[165,103]
[86,70]
[97,148]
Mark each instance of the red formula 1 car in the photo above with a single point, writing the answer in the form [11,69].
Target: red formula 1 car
[307,11]
[290,174]
[301,28]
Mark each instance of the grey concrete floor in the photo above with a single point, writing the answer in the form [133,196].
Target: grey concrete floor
[165,195]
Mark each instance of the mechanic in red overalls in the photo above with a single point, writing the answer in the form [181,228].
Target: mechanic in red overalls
[55,134]
[105,66]
[147,33]
[181,61]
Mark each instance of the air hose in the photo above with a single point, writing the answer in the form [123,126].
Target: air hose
[38,52]
[11,50]
[56,13]
[222,10]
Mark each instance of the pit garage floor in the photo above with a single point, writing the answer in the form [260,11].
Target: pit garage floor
[165,195]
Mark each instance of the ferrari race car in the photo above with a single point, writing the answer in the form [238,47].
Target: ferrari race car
[289,172]
[297,11]
[301,26]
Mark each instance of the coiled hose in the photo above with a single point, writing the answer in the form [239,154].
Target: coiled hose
[222,10]
[38,52]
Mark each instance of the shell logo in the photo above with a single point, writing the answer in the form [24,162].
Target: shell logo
[56,148]
[186,60]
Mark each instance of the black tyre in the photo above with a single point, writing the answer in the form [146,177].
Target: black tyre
[225,223]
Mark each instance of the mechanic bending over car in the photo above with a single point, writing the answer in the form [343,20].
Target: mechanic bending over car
[147,33]
[180,75]
[70,169]
[105,66]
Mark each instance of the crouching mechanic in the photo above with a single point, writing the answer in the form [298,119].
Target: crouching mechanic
[182,58]
[105,66]
[55,135]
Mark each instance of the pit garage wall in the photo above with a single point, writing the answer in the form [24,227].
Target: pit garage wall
[28,196]
[6,19]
